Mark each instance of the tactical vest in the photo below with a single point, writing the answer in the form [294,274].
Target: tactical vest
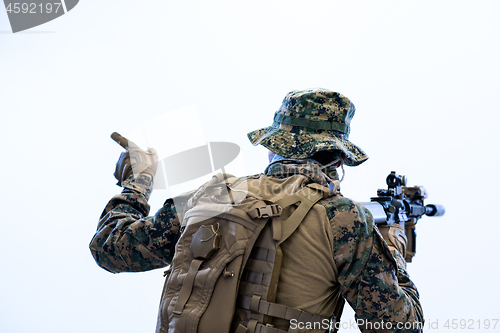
[226,268]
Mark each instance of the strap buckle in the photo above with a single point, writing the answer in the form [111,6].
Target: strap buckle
[269,211]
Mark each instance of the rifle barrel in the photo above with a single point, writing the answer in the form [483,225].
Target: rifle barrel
[434,210]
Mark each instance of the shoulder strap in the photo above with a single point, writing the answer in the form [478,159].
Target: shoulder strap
[308,196]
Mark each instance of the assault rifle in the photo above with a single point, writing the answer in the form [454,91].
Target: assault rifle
[403,205]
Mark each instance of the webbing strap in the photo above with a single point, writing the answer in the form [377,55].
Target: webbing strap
[261,253]
[277,232]
[277,310]
[241,329]
[312,124]
[267,329]
[263,210]
[256,277]
[255,327]
[259,265]
[252,324]
[187,286]
[275,276]
[307,198]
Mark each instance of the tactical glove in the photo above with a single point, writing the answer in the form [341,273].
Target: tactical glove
[394,236]
[134,160]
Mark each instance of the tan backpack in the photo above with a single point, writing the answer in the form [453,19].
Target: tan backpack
[225,271]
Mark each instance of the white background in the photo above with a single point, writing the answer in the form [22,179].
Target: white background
[424,76]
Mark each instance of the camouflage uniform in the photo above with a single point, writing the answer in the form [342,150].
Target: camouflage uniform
[310,121]
[372,279]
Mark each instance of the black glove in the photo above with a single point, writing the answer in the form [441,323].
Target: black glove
[134,160]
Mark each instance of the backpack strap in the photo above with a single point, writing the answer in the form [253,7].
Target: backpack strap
[188,286]
[255,327]
[281,311]
[308,196]
[283,226]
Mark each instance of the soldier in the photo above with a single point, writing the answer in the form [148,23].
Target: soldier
[335,253]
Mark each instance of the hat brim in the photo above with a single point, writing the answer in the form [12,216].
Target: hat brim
[304,145]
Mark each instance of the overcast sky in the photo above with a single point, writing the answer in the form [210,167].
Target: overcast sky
[424,76]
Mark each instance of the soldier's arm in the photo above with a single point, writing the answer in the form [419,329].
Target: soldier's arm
[374,280]
[127,239]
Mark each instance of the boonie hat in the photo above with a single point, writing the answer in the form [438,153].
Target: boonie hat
[310,121]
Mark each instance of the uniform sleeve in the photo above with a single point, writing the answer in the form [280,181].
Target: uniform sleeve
[127,239]
[373,280]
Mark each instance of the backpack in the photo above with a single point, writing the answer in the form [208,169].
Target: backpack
[226,266]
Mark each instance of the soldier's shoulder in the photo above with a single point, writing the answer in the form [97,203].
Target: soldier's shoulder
[175,205]
[338,204]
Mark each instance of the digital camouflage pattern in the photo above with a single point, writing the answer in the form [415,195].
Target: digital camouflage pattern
[127,239]
[310,121]
[372,279]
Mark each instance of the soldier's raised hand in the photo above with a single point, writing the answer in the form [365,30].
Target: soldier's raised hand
[133,160]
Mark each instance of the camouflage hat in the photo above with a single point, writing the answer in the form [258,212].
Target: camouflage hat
[310,121]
